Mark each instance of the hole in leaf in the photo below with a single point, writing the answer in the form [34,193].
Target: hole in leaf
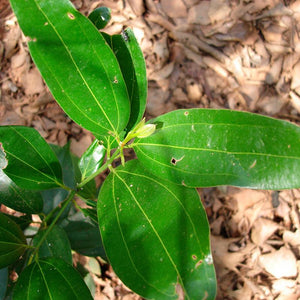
[174,161]
[198,263]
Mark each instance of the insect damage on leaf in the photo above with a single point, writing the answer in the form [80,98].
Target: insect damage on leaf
[174,161]
[179,291]
[71,16]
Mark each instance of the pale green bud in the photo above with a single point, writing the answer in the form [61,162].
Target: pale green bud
[145,131]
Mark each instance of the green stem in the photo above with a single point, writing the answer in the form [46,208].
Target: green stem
[63,207]
[104,167]
[53,211]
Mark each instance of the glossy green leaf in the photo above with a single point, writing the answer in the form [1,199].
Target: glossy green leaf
[90,282]
[31,163]
[89,190]
[80,70]
[100,16]
[64,156]
[19,199]
[84,236]
[133,67]
[50,278]
[56,244]
[52,198]
[92,159]
[12,241]
[156,235]
[3,282]
[91,213]
[22,221]
[206,147]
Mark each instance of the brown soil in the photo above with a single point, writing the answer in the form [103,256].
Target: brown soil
[242,55]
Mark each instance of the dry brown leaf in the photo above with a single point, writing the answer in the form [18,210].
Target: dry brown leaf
[262,230]
[280,263]
[292,238]
[137,6]
[198,14]
[271,104]
[78,147]
[174,8]
[156,101]
[194,90]
[12,118]
[20,64]
[219,10]
[273,74]
[32,82]
[288,297]
[295,101]
[285,286]
[296,76]
[247,198]
[11,39]
[163,73]
[223,258]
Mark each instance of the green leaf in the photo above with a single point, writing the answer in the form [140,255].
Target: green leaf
[84,236]
[22,221]
[206,147]
[89,190]
[156,235]
[133,67]
[52,198]
[56,244]
[12,241]
[89,281]
[100,17]
[19,199]
[31,162]
[50,278]
[92,159]
[80,70]
[64,156]
[3,282]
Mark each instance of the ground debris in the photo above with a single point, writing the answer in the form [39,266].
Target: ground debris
[242,55]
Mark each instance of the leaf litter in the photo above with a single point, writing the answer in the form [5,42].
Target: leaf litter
[241,55]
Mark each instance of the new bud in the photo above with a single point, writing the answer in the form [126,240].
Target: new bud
[145,131]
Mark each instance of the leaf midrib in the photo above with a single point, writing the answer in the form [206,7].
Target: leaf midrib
[81,75]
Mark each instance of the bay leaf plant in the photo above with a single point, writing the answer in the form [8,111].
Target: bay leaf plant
[146,219]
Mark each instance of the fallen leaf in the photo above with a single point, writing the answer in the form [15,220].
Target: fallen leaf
[262,230]
[280,263]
